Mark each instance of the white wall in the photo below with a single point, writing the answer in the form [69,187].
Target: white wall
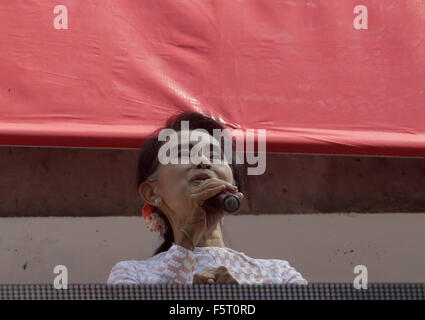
[323,247]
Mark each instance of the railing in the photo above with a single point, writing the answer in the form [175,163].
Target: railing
[338,291]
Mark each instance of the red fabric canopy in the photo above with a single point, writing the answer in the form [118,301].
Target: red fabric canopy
[296,68]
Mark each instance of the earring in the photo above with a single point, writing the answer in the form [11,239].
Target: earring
[158,201]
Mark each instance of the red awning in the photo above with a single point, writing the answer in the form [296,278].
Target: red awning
[298,69]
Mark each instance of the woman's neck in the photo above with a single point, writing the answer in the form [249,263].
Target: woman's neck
[214,239]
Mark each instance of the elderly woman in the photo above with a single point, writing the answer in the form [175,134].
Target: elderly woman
[176,205]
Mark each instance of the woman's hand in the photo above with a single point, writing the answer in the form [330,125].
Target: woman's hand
[203,217]
[213,276]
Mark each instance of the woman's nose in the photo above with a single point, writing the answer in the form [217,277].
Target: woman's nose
[205,163]
[204,166]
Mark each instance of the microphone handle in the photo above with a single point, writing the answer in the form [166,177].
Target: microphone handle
[226,201]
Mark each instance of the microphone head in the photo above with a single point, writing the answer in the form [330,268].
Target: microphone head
[231,203]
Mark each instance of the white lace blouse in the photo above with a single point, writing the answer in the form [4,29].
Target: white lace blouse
[178,265]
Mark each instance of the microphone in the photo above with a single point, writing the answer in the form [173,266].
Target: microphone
[226,201]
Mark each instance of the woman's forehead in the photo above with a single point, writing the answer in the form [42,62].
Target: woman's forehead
[196,136]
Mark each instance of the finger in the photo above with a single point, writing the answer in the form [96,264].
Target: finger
[231,280]
[210,281]
[201,197]
[208,273]
[209,183]
[226,278]
[201,279]
[196,278]
[212,184]
[204,276]
[220,272]
[222,278]
[222,269]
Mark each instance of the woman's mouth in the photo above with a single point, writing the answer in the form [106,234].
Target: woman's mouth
[199,178]
[197,181]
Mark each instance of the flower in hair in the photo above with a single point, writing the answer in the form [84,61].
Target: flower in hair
[147,210]
[153,221]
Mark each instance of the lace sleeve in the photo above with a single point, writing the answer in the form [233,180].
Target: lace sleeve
[279,271]
[289,275]
[124,272]
[174,266]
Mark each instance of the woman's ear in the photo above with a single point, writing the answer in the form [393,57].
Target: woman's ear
[146,192]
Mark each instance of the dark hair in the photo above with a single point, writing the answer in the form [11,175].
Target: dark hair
[148,158]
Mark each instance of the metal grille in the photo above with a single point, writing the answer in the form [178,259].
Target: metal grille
[338,291]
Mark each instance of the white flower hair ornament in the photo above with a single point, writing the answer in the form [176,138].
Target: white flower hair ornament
[153,221]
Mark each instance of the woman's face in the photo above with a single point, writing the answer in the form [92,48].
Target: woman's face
[174,181]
